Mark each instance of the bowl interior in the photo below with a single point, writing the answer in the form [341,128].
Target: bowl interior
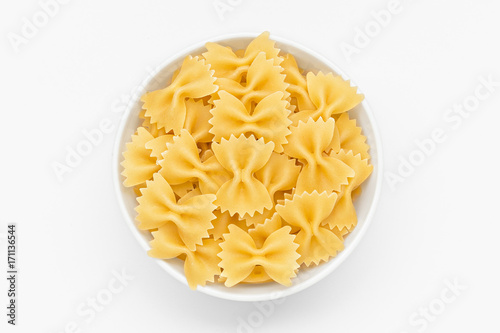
[365,204]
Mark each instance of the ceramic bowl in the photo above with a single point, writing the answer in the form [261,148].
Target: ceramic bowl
[365,204]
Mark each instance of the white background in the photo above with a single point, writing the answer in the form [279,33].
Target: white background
[440,223]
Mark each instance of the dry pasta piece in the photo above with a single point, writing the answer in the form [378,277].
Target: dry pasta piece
[181,163]
[157,207]
[279,174]
[240,53]
[197,117]
[335,144]
[182,189]
[264,230]
[263,79]
[286,195]
[269,119]
[258,275]
[152,128]
[205,149]
[320,172]
[297,83]
[137,189]
[340,233]
[138,165]
[258,218]
[240,255]
[243,193]
[351,137]
[233,65]
[206,153]
[259,235]
[307,211]
[158,145]
[189,194]
[167,107]
[330,95]
[222,222]
[356,193]
[344,213]
[262,43]
[200,266]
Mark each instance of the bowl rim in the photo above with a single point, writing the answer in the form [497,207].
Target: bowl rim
[118,182]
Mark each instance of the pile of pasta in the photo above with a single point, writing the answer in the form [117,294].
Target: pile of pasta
[246,167]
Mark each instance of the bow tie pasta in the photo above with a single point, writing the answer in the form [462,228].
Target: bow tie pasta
[246,167]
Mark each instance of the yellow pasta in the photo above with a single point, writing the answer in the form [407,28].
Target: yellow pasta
[181,163]
[259,235]
[138,163]
[240,255]
[279,174]
[350,136]
[264,230]
[297,83]
[197,117]
[263,78]
[320,172]
[258,218]
[201,265]
[231,65]
[330,95]
[246,166]
[167,107]
[151,127]
[269,119]
[182,189]
[158,206]
[158,145]
[335,143]
[222,222]
[307,212]
[242,156]
[344,214]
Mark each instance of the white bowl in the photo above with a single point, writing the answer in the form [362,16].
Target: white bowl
[365,204]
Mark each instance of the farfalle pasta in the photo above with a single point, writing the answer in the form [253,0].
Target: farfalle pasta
[330,95]
[181,163]
[343,215]
[139,166]
[158,206]
[280,173]
[268,120]
[246,166]
[242,157]
[262,79]
[319,172]
[230,65]
[167,107]
[201,265]
[240,255]
[307,212]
